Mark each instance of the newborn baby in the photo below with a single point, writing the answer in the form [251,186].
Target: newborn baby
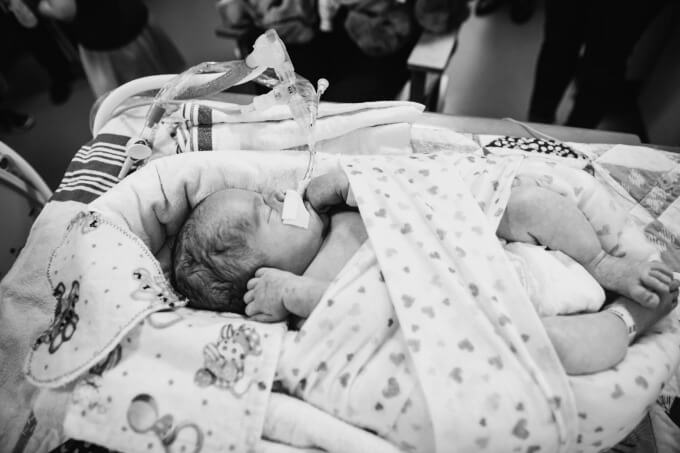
[235,254]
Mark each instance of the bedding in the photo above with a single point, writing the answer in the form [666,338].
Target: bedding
[655,357]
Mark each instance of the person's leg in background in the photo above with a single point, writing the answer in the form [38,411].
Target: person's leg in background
[43,44]
[611,36]
[564,35]
[10,119]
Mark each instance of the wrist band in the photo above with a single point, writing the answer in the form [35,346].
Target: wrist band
[625,316]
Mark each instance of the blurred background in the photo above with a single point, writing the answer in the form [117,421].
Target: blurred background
[490,74]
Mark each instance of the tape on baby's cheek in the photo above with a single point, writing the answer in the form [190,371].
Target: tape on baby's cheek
[294,212]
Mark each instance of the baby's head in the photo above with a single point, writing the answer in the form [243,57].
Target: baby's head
[231,234]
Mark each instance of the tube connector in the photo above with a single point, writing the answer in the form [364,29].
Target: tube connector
[269,51]
[137,150]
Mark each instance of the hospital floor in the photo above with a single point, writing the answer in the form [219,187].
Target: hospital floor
[490,75]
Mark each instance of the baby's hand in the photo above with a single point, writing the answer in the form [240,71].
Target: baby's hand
[327,190]
[266,291]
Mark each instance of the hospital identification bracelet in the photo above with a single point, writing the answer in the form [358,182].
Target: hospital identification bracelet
[625,316]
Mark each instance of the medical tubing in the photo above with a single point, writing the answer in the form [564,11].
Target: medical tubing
[21,187]
[238,75]
[232,73]
[28,173]
[118,96]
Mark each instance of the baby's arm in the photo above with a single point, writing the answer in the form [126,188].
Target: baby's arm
[273,294]
[329,190]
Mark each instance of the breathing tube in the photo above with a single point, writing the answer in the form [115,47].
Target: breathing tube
[208,78]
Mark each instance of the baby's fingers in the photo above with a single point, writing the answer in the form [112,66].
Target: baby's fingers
[654,284]
[249,297]
[252,309]
[252,283]
[261,271]
[661,276]
[263,317]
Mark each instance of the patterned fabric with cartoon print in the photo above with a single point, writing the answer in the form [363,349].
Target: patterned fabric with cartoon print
[184,380]
[150,376]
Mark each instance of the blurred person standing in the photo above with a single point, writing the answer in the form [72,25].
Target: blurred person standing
[117,41]
[10,119]
[590,41]
[21,30]
[360,46]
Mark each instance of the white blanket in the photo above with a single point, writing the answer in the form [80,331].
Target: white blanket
[448,315]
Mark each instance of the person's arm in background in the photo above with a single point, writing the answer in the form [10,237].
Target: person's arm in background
[593,342]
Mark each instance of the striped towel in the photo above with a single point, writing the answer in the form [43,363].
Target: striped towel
[93,170]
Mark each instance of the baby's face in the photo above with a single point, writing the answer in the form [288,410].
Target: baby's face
[285,247]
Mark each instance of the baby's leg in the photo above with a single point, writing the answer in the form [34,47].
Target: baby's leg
[592,342]
[541,216]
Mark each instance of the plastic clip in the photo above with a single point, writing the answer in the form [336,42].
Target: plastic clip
[137,150]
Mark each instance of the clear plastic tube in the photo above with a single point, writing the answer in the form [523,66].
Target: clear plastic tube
[287,87]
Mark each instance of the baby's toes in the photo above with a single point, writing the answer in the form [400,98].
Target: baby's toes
[644,296]
[661,270]
[655,281]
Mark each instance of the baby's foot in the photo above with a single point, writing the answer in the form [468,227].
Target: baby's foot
[642,281]
[648,317]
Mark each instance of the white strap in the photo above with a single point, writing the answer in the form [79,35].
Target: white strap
[625,316]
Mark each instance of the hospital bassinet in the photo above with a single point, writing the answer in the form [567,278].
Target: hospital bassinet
[649,179]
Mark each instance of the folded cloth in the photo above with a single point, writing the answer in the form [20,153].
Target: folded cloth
[219,126]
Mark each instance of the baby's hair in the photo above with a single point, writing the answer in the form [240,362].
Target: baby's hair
[212,261]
